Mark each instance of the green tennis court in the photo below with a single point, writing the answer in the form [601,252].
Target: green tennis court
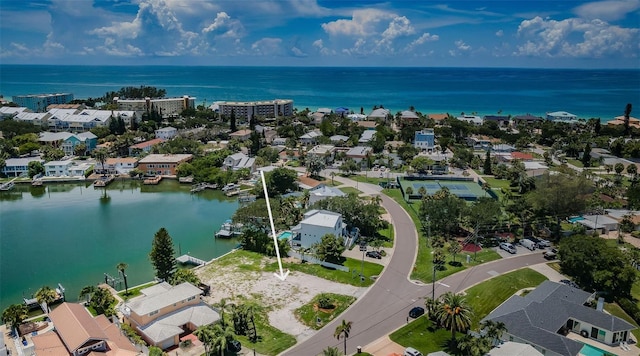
[468,190]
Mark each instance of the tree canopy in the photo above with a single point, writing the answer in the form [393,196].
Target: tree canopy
[355,212]
[162,255]
[330,249]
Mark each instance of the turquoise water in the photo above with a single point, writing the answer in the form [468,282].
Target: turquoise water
[512,91]
[285,235]
[575,219]
[588,350]
[72,233]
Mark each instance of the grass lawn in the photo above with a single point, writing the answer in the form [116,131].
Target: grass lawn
[496,183]
[575,162]
[555,266]
[423,269]
[387,235]
[309,314]
[352,277]
[271,341]
[349,190]
[135,291]
[615,310]
[422,336]
[369,179]
[486,296]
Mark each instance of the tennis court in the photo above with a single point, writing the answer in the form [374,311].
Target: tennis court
[465,189]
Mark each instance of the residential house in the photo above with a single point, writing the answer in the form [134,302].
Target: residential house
[166,133]
[164,312]
[522,156]
[7,112]
[379,114]
[561,116]
[619,121]
[601,223]
[408,116]
[535,168]
[315,224]
[341,111]
[526,119]
[323,192]
[472,119]
[279,141]
[307,183]
[357,117]
[326,152]
[438,118]
[500,120]
[144,147]
[479,143]
[368,125]
[67,141]
[162,164]
[67,168]
[316,117]
[359,154]
[78,333]
[267,132]
[545,316]
[35,118]
[424,140]
[502,147]
[511,348]
[324,111]
[239,161]
[310,138]
[15,167]
[339,140]
[119,165]
[367,136]
[241,135]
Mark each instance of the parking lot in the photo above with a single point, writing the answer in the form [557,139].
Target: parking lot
[520,250]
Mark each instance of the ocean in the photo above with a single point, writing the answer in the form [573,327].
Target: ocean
[508,91]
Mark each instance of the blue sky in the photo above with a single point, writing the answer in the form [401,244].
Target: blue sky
[533,33]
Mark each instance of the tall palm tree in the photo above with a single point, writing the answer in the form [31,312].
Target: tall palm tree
[454,313]
[333,174]
[87,293]
[206,336]
[14,315]
[432,306]
[121,267]
[222,306]
[46,295]
[344,329]
[474,346]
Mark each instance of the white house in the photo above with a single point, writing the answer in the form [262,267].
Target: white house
[238,161]
[381,114]
[15,167]
[68,168]
[472,119]
[166,133]
[310,138]
[359,154]
[326,152]
[561,116]
[119,165]
[11,111]
[367,136]
[322,192]
[317,223]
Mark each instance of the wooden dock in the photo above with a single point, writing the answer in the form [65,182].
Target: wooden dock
[229,230]
[152,181]
[202,186]
[188,259]
[103,181]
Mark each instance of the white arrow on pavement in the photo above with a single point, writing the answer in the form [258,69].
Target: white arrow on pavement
[283,275]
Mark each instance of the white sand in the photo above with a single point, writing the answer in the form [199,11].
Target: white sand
[282,297]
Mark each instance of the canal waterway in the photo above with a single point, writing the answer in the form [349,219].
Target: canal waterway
[73,234]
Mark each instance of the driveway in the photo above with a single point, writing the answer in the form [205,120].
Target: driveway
[385,306]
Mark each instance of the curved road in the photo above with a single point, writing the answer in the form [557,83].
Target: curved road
[385,306]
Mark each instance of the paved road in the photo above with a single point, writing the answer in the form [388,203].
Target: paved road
[385,306]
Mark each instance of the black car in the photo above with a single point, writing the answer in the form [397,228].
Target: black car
[416,312]
[374,254]
[234,346]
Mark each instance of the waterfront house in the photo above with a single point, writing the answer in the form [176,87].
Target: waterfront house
[619,121]
[162,164]
[561,116]
[119,165]
[526,119]
[67,141]
[166,133]
[241,135]
[472,119]
[379,114]
[35,118]
[341,111]
[15,167]
[164,312]
[500,120]
[359,154]
[77,333]
[547,315]
[357,117]
[7,112]
[144,147]
[408,116]
[67,168]
[316,117]
[310,138]
[315,224]
[239,161]
[438,118]
[424,140]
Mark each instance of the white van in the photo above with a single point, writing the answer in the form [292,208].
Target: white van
[410,351]
[528,244]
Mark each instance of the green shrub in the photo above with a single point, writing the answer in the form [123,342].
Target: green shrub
[630,308]
[324,302]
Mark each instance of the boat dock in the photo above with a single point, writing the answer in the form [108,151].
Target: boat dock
[188,179]
[152,181]
[202,186]
[229,230]
[103,181]
[231,193]
[8,185]
[188,259]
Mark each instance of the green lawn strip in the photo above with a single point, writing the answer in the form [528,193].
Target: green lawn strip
[555,266]
[388,236]
[369,179]
[309,314]
[135,291]
[349,190]
[488,295]
[422,336]
[271,341]
[352,277]
[497,183]
[635,293]
[615,310]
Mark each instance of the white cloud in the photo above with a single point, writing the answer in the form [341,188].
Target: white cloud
[608,10]
[297,52]
[576,38]
[224,26]
[424,38]
[308,8]
[399,26]
[267,46]
[500,33]
[319,44]
[362,23]
[462,46]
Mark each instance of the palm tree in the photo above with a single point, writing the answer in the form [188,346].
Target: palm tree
[494,330]
[333,174]
[454,313]
[206,336]
[121,267]
[409,191]
[344,329]
[331,351]
[101,155]
[222,306]
[474,346]
[87,292]
[47,296]
[14,315]
[432,306]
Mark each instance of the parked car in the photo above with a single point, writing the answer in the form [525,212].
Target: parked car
[507,247]
[234,346]
[549,255]
[374,254]
[410,351]
[526,243]
[544,243]
[416,312]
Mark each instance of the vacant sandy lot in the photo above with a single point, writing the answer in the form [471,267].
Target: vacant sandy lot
[283,297]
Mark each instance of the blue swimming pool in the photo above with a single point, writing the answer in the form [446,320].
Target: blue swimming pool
[575,219]
[285,235]
[588,350]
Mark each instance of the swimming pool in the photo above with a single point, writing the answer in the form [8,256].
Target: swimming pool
[588,350]
[575,219]
[285,235]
